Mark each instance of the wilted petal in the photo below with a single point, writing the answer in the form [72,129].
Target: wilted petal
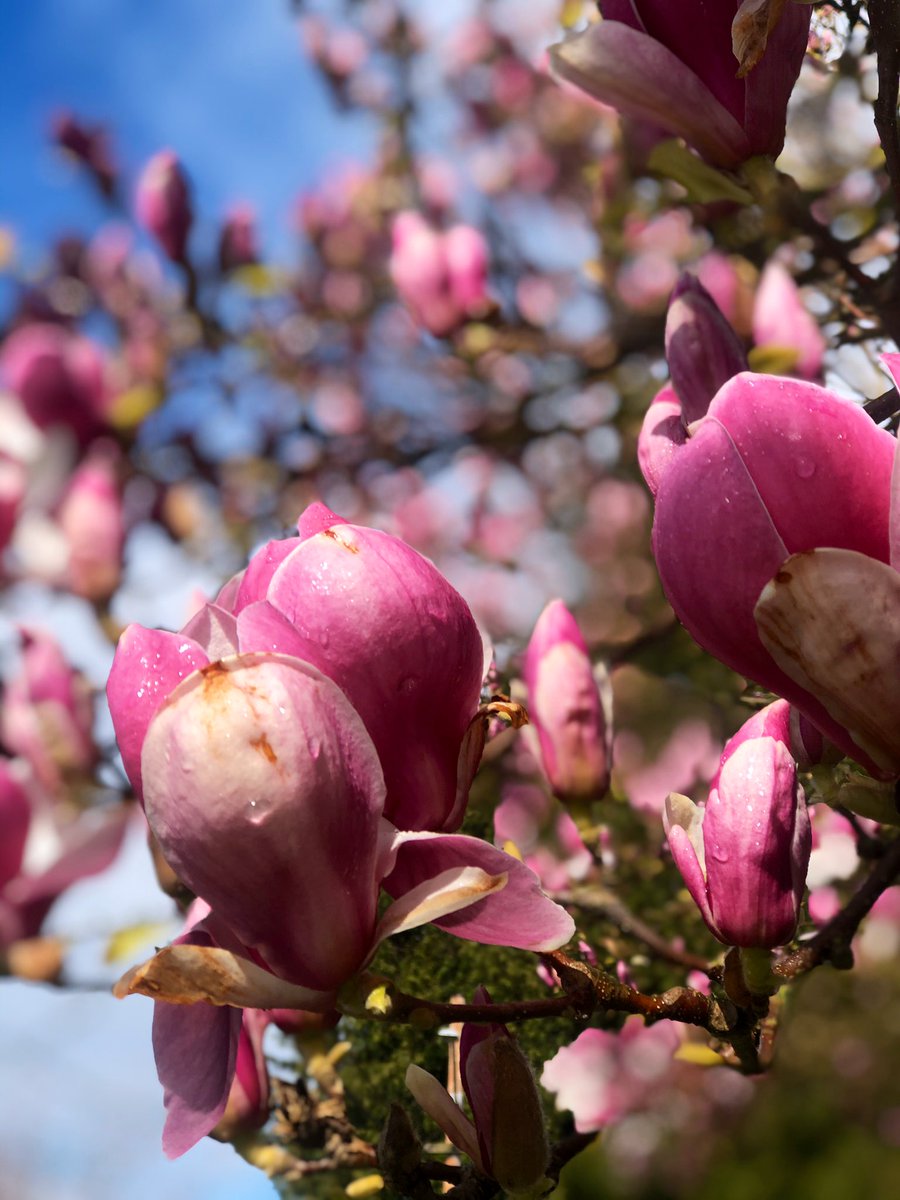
[149,664]
[520,915]
[186,974]
[641,78]
[831,620]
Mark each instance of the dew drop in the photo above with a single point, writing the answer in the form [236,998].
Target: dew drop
[805,467]
[720,854]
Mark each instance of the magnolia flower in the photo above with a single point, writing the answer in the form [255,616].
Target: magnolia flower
[506,1139]
[60,377]
[602,1076]
[371,614]
[40,857]
[90,519]
[567,709]
[672,65]
[275,790]
[744,855]
[163,203]
[441,276]
[775,546]
[47,713]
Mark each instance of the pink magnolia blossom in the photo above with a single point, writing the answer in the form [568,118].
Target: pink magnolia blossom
[60,377]
[47,713]
[441,276]
[672,65]
[78,849]
[744,855]
[566,707]
[506,1138]
[238,239]
[163,203]
[603,1076]
[274,790]
[371,614]
[782,323]
[90,518]
[773,540]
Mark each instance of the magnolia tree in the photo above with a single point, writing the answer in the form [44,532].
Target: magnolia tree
[445,789]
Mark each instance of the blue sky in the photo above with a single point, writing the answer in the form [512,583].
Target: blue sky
[222,82]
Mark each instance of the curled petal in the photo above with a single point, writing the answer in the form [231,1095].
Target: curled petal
[813,621]
[519,915]
[189,974]
[447,893]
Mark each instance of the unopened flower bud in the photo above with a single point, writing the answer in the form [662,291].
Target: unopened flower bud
[702,349]
[567,708]
[744,855]
[163,203]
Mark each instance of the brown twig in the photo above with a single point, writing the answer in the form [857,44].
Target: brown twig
[832,943]
[602,903]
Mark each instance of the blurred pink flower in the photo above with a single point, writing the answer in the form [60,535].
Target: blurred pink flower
[603,1076]
[163,203]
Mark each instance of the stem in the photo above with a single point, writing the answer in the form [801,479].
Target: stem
[602,903]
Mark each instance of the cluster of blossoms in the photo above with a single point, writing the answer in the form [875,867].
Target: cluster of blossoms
[305,742]
[304,748]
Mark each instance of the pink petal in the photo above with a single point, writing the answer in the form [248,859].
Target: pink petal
[780,319]
[215,629]
[662,435]
[520,915]
[683,823]
[263,757]
[821,465]
[754,825]
[435,1100]
[385,625]
[148,665]
[641,78]
[196,1052]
